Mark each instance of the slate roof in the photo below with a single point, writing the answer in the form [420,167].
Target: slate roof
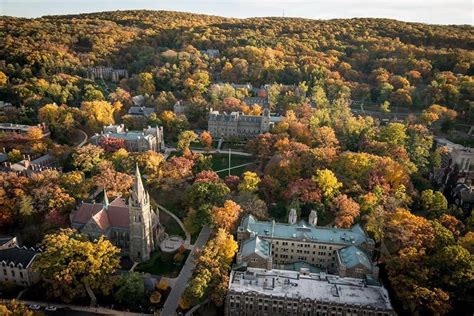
[4,239]
[116,215]
[299,266]
[18,255]
[140,110]
[133,135]
[352,257]
[353,236]
[256,245]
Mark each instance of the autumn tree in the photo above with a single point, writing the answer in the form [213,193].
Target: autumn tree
[115,183]
[346,210]
[206,140]
[226,216]
[130,289]
[327,182]
[15,308]
[185,139]
[72,266]
[97,114]
[146,83]
[249,183]
[87,158]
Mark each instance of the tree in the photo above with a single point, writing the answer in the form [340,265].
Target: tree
[3,79]
[97,114]
[112,144]
[324,137]
[251,204]
[146,83]
[15,156]
[15,308]
[206,140]
[226,216]
[35,133]
[394,133]
[185,139]
[116,183]
[346,210]
[249,183]
[328,183]
[434,203]
[87,158]
[73,266]
[130,289]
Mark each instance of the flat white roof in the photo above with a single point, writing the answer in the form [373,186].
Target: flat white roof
[315,286]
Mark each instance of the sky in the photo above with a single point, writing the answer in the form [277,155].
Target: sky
[426,11]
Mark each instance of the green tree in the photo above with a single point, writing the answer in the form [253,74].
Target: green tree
[130,289]
[249,183]
[185,139]
[394,133]
[146,83]
[88,157]
[434,203]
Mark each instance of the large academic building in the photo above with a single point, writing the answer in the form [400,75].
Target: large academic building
[238,124]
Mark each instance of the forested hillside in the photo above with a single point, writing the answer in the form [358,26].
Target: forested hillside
[410,65]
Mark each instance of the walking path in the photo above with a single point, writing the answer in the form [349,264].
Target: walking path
[235,167]
[171,304]
[85,138]
[187,241]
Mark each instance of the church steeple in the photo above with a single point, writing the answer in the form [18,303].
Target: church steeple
[138,189]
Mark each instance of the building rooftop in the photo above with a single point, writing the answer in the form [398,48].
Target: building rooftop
[115,215]
[132,135]
[256,245]
[315,286]
[299,266]
[18,255]
[352,257]
[4,239]
[140,110]
[352,236]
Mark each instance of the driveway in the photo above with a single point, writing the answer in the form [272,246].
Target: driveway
[181,282]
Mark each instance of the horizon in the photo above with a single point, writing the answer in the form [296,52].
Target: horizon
[457,12]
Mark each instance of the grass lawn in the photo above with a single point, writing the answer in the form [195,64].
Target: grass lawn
[162,263]
[221,161]
[170,225]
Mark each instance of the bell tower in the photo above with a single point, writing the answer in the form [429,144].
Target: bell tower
[141,221]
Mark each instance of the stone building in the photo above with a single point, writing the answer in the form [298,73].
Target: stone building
[131,225]
[22,129]
[106,73]
[260,292]
[151,138]
[7,242]
[266,244]
[238,125]
[16,265]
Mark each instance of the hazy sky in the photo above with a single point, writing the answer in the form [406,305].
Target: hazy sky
[429,11]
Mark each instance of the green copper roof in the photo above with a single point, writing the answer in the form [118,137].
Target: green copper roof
[352,256]
[298,266]
[353,236]
[256,245]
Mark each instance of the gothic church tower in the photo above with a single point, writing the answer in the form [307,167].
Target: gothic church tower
[141,221]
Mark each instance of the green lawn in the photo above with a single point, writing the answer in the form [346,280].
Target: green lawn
[221,161]
[162,263]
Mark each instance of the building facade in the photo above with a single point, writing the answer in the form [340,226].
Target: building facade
[238,125]
[16,265]
[134,226]
[106,73]
[260,292]
[270,244]
[22,129]
[151,138]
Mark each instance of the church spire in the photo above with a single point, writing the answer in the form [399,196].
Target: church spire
[138,189]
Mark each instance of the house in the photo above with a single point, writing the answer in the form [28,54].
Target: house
[22,129]
[180,107]
[106,73]
[130,225]
[16,265]
[211,53]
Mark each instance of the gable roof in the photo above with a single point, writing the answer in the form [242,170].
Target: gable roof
[18,255]
[102,219]
[116,215]
[256,245]
[352,257]
[353,236]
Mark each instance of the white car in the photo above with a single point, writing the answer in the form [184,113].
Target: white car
[51,308]
[34,307]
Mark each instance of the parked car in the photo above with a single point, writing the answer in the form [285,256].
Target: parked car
[34,307]
[51,308]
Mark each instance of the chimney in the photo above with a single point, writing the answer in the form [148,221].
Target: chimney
[313,218]
[292,217]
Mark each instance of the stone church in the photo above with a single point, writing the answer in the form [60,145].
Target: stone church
[132,226]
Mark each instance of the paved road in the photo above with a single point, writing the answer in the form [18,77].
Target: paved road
[172,302]
[84,138]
